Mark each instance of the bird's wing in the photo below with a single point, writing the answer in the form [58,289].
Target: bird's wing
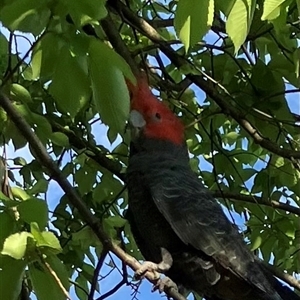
[199,220]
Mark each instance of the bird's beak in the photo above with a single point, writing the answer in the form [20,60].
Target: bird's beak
[136,122]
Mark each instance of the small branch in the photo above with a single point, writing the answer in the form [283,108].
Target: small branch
[99,156]
[118,44]
[113,290]
[17,66]
[9,50]
[78,286]
[289,279]
[161,23]
[247,54]
[56,278]
[257,200]
[96,274]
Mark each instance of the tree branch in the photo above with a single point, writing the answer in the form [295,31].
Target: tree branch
[113,166]
[96,274]
[56,278]
[257,200]
[113,290]
[289,279]
[40,153]
[118,44]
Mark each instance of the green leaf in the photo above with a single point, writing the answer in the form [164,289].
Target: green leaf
[230,137]
[256,240]
[86,238]
[34,210]
[224,6]
[45,239]
[296,60]
[44,284]
[116,221]
[41,186]
[45,56]
[288,176]
[287,227]
[111,223]
[81,286]
[25,15]
[7,225]
[19,93]
[271,9]
[110,92]
[12,132]
[11,277]
[19,193]
[15,245]
[283,66]
[268,246]
[85,177]
[239,21]
[192,20]
[60,139]
[36,232]
[70,86]
[89,11]
[19,161]
[50,241]
[279,161]
[43,128]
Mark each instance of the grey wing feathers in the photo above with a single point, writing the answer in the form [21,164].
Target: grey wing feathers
[198,220]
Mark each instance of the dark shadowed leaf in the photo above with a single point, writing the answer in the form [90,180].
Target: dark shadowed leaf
[34,210]
[11,277]
[72,91]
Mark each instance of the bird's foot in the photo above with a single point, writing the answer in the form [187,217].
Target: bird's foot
[162,267]
[149,266]
[164,283]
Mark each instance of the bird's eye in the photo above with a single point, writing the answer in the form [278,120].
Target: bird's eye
[158,116]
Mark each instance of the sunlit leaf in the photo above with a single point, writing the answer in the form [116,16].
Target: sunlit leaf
[192,20]
[271,9]
[15,245]
[239,21]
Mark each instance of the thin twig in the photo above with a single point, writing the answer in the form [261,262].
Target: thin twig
[257,200]
[17,66]
[56,278]
[96,274]
[289,279]
[113,290]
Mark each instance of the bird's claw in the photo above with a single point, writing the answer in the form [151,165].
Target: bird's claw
[162,267]
[163,283]
[147,266]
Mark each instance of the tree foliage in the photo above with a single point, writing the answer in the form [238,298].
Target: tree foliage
[64,106]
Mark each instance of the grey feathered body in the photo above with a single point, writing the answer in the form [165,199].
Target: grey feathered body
[172,209]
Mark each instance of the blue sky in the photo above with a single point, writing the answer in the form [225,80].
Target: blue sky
[100,132]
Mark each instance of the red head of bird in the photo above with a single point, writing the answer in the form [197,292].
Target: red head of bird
[152,117]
